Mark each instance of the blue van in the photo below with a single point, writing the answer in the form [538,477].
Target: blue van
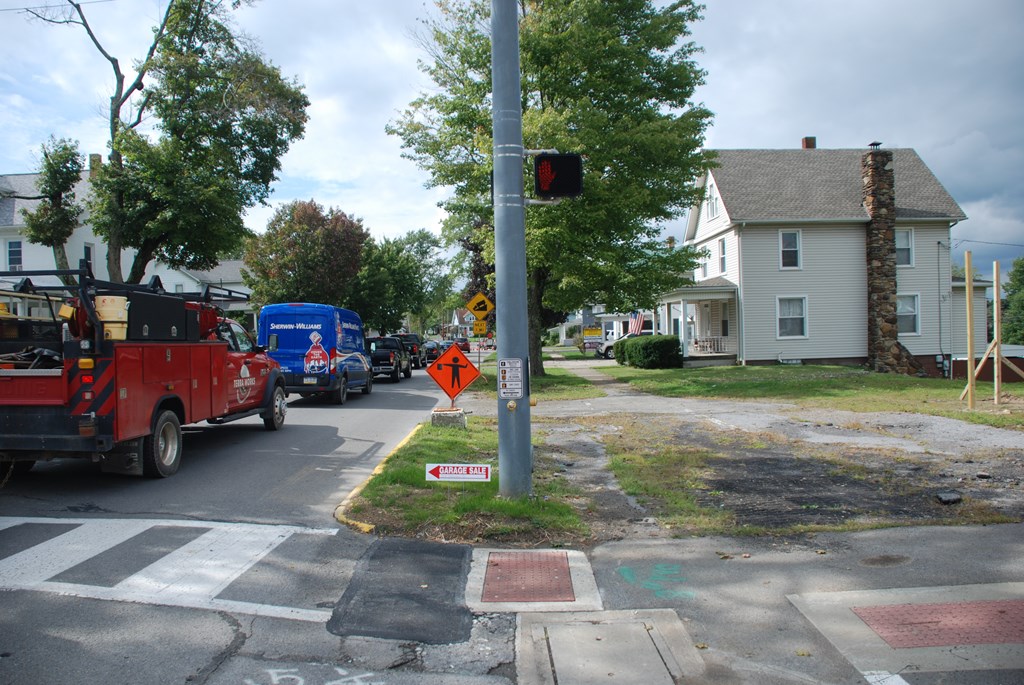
[320,348]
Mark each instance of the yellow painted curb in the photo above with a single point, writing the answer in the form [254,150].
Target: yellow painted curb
[339,511]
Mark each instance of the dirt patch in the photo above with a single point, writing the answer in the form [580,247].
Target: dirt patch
[771,483]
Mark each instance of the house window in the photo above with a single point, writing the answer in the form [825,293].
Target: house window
[704,269]
[789,250]
[721,255]
[725,319]
[792,317]
[712,201]
[179,288]
[14,255]
[904,248]
[907,319]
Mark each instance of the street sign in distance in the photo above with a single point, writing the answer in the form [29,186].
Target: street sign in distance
[480,306]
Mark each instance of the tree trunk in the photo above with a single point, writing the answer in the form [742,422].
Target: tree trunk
[60,259]
[535,333]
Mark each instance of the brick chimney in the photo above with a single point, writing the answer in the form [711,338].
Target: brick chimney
[808,142]
[885,352]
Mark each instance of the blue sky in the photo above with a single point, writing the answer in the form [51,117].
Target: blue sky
[942,77]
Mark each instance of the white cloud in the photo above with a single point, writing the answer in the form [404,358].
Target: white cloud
[926,74]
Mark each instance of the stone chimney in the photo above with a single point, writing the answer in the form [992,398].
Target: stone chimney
[885,352]
[95,162]
[809,142]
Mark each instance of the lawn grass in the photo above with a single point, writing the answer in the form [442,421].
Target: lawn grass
[826,387]
[400,501]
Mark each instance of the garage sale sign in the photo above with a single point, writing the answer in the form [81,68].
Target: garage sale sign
[459,472]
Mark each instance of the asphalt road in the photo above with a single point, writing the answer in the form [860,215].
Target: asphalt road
[241,472]
[237,552]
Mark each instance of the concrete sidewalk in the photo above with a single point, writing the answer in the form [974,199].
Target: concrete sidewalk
[919,606]
[899,606]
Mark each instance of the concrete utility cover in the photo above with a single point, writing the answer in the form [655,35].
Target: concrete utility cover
[614,647]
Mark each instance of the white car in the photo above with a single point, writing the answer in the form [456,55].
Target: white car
[607,349]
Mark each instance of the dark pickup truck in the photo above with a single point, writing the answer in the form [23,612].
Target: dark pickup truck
[389,357]
[417,350]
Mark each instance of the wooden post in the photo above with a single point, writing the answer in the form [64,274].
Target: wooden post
[997,325]
[970,330]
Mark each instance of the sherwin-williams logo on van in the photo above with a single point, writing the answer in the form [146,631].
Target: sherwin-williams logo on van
[316,359]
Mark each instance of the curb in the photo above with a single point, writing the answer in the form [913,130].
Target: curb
[339,511]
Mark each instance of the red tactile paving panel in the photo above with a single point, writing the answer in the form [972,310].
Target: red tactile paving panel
[904,626]
[528,577]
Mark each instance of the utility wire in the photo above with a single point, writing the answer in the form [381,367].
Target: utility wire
[984,242]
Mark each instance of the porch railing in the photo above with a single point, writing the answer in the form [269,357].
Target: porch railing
[710,345]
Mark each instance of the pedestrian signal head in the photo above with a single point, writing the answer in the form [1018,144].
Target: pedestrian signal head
[558,175]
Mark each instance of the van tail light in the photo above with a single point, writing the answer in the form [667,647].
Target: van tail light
[391,356]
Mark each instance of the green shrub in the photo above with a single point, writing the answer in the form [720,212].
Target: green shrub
[652,352]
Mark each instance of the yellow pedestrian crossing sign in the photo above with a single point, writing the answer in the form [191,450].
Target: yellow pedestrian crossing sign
[480,306]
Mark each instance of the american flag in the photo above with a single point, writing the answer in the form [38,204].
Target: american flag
[636,323]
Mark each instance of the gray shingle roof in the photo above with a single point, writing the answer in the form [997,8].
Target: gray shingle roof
[821,184]
[227,272]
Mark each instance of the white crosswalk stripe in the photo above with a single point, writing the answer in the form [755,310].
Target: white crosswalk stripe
[190,576]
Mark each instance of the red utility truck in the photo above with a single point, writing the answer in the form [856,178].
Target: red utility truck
[111,371]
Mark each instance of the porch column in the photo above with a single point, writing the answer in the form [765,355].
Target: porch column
[683,304]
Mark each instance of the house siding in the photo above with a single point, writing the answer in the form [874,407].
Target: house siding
[959,313]
[833,283]
[929,278]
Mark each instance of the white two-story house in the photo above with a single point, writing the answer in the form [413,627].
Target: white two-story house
[790,274]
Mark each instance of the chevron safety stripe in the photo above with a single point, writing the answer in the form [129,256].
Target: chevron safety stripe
[92,390]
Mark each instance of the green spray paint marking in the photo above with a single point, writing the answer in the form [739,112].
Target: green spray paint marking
[659,581]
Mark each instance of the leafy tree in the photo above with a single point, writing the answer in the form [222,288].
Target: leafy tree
[223,116]
[1013,310]
[610,80]
[390,283]
[306,255]
[55,218]
[435,277]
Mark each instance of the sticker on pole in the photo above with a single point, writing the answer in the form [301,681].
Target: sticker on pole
[510,379]
[459,472]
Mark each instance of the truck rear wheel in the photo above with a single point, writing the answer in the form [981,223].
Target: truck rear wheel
[408,371]
[368,388]
[341,394]
[161,451]
[396,374]
[273,417]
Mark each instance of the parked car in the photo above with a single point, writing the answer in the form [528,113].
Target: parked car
[462,344]
[414,343]
[389,357]
[432,350]
[607,348]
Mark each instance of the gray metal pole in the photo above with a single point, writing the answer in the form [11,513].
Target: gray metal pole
[515,455]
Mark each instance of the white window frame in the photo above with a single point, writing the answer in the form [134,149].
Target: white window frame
[21,254]
[916,298]
[778,317]
[909,232]
[704,268]
[721,256]
[799,250]
[712,202]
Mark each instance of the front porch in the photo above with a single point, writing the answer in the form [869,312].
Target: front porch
[705,318]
